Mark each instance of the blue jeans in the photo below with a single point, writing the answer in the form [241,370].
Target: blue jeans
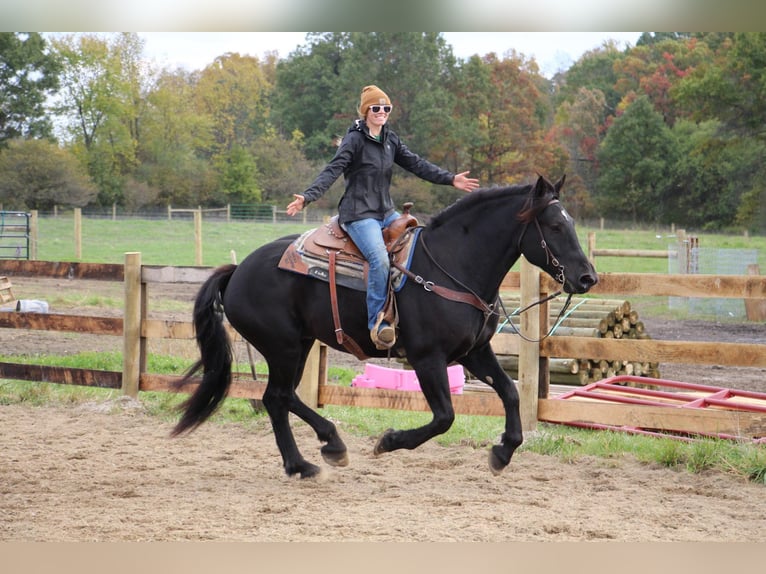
[368,236]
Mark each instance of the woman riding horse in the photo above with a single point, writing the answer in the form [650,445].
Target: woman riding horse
[366,157]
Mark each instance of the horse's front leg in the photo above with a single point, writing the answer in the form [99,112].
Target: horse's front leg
[434,382]
[482,363]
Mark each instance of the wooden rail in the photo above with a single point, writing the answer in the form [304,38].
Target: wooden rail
[136,328]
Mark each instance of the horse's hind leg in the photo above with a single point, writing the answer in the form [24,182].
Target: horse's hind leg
[285,369]
[482,363]
[334,451]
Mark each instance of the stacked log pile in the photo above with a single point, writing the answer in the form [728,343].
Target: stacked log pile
[600,318]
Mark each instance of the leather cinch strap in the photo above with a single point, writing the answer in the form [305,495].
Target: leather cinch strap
[350,345]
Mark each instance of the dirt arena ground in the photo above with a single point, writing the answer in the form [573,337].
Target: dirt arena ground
[108,471]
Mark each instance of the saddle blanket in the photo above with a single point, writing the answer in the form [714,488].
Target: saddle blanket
[305,257]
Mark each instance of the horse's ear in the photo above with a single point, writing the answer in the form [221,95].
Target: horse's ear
[539,190]
[559,184]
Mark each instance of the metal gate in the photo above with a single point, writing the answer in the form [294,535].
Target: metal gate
[14,235]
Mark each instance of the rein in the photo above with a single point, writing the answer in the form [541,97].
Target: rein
[471,298]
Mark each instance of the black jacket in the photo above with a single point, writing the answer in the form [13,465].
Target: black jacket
[367,166]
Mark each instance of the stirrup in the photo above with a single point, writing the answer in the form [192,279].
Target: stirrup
[384,338]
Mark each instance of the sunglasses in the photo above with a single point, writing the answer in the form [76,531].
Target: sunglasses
[376,109]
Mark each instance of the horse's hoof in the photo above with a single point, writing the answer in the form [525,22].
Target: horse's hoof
[496,464]
[380,446]
[335,458]
[305,470]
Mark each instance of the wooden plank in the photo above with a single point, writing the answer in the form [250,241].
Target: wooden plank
[511,282]
[6,292]
[167,274]
[700,421]
[706,353]
[505,344]
[61,322]
[755,309]
[62,269]
[242,387]
[166,329]
[724,286]
[487,404]
[630,253]
[62,375]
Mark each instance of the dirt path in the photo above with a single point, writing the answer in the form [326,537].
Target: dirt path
[109,472]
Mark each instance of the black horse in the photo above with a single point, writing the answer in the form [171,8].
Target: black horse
[467,250]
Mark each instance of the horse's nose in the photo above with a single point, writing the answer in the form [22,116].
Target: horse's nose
[588,280]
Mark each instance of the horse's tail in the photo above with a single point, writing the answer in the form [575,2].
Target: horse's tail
[215,353]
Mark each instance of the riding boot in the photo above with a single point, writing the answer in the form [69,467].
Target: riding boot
[383,333]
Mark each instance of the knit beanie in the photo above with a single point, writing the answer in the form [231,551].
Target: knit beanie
[371,96]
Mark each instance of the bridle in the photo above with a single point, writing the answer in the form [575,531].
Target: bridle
[472,298]
[550,259]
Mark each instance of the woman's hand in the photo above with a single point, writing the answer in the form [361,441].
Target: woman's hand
[296,204]
[465,183]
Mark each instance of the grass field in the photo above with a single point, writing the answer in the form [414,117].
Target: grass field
[163,242]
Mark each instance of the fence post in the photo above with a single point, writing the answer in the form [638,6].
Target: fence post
[308,388]
[198,236]
[131,326]
[78,233]
[529,350]
[33,227]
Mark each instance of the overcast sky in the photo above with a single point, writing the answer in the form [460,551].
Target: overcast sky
[553,51]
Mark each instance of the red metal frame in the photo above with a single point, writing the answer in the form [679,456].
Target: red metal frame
[611,390]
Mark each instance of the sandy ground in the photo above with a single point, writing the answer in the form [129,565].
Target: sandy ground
[109,472]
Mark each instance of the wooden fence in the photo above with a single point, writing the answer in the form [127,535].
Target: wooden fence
[684,245]
[136,328]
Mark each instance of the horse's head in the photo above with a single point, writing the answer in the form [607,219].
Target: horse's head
[549,239]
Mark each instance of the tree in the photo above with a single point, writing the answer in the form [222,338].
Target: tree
[634,160]
[176,139]
[594,70]
[714,177]
[234,92]
[28,74]
[504,113]
[657,68]
[580,127]
[731,86]
[100,104]
[37,174]
[309,96]
[283,170]
[318,86]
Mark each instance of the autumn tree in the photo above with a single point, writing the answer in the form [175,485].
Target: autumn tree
[595,70]
[505,114]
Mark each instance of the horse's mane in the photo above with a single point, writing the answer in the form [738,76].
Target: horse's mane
[529,210]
